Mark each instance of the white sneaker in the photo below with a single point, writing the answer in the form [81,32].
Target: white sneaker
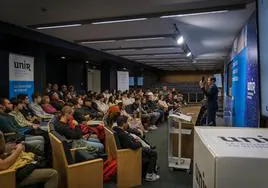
[157,176]
[152,128]
[155,127]
[150,177]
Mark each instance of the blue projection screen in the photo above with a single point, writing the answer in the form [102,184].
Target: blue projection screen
[263,53]
[131,81]
[140,81]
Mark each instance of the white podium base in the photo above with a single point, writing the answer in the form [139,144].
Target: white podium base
[185,163]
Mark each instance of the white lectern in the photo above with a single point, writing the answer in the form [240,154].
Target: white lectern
[177,162]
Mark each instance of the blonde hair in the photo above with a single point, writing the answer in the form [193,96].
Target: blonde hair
[66,110]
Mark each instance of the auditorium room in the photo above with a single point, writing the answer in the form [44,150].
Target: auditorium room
[153,94]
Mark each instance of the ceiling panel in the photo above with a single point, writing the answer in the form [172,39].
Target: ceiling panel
[28,12]
[208,37]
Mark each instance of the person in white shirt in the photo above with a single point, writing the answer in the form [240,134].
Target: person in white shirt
[125,99]
[102,106]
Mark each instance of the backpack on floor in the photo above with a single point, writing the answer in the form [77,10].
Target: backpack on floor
[109,170]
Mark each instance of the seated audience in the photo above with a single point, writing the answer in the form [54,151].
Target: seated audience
[106,95]
[149,117]
[26,111]
[128,141]
[80,114]
[47,107]
[16,113]
[13,157]
[101,105]
[56,102]
[152,104]
[162,103]
[63,91]
[74,133]
[37,109]
[9,125]
[118,99]
[48,89]
[111,101]
[90,110]
[125,99]
[72,91]
[171,102]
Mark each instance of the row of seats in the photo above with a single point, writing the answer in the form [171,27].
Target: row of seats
[181,86]
[89,173]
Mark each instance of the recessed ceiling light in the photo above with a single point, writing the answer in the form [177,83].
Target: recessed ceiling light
[135,56]
[180,40]
[121,50]
[58,26]
[149,38]
[194,14]
[160,48]
[63,57]
[98,41]
[119,21]
[86,62]
[166,55]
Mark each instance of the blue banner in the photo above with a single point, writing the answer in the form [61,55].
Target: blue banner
[252,110]
[239,88]
[21,87]
[21,75]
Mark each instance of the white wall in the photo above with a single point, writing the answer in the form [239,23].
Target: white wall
[94,80]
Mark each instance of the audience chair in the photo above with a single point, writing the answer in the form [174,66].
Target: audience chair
[129,162]
[8,179]
[79,175]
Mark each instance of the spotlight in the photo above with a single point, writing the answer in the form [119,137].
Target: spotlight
[180,40]
[189,54]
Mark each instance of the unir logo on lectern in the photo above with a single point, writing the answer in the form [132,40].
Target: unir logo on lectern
[199,177]
[258,139]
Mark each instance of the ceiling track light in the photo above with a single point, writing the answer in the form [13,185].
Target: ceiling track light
[119,21]
[58,26]
[180,40]
[189,54]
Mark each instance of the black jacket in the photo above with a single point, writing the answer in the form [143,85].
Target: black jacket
[90,111]
[212,96]
[126,141]
[152,105]
[67,131]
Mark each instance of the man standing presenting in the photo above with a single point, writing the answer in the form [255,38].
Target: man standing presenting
[211,92]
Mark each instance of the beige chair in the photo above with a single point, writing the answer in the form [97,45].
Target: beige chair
[129,162]
[80,175]
[8,179]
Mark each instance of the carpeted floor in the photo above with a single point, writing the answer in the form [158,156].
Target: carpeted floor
[169,179]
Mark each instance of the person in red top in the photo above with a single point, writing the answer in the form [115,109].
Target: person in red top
[47,107]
